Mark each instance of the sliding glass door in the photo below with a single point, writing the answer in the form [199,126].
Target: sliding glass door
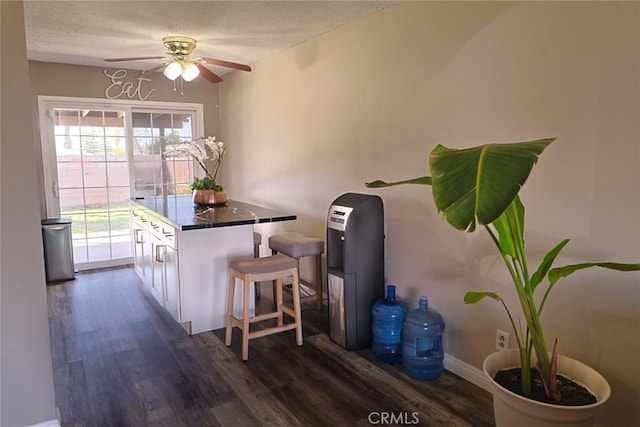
[96,158]
[93,182]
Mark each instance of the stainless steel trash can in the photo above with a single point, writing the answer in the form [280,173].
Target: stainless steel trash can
[58,249]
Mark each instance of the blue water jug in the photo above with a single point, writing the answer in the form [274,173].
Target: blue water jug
[422,352]
[388,315]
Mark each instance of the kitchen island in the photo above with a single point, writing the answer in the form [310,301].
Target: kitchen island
[182,252]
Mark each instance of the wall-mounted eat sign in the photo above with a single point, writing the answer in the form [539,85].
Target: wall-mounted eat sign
[131,89]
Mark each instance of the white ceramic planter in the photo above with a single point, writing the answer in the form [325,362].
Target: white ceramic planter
[511,409]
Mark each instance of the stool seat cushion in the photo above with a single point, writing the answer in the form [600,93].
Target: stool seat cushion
[296,245]
[257,238]
[270,264]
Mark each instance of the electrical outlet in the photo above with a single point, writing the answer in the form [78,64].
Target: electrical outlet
[502,340]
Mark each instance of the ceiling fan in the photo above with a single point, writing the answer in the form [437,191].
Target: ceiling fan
[179,63]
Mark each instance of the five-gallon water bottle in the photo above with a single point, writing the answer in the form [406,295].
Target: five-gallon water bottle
[388,315]
[422,353]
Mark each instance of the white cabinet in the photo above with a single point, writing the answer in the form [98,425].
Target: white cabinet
[172,284]
[141,244]
[156,259]
[166,285]
[187,270]
[158,276]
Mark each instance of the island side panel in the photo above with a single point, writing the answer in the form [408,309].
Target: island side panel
[204,257]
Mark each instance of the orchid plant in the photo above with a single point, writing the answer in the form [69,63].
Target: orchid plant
[201,149]
[480,186]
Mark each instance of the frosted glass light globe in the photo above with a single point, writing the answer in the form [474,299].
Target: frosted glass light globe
[190,71]
[173,70]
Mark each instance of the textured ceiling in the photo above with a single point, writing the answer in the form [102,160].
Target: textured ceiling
[87,32]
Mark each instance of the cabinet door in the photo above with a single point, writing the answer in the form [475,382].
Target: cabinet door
[146,258]
[158,271]
[172,285]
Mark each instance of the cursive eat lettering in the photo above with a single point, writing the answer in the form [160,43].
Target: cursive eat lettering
[118,88]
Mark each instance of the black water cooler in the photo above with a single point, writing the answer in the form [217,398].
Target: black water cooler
[355,267]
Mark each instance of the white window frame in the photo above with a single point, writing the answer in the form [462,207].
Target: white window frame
[46,104]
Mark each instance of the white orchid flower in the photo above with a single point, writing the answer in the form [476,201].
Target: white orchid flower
[198,152]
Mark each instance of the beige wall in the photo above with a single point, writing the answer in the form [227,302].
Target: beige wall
[90,82]
[371,99]
[26,376]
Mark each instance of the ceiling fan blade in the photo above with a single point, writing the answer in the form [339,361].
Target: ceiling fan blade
[226,64]
[151,70]
[135,58]
[208,74]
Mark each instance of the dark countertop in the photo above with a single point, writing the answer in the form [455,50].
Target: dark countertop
[182,213]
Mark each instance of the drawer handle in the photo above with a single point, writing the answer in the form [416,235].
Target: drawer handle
[158,257]
[138,238]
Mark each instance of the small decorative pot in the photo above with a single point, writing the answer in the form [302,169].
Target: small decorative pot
[210,197]
[511,409]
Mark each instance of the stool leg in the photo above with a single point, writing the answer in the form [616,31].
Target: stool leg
[273,284]
[296,306]
[232,290]
[279,301]
[256,254]
[245,317]
[319,281]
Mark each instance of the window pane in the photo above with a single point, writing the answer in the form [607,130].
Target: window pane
[95,198]
[118,198]
[97,223]
[121,246]
[79,251]
[93,149]
[99,248]
[71,200]
[95,174]
[118,174]
[115,146]
[78,225]
[69,172]
[68,145]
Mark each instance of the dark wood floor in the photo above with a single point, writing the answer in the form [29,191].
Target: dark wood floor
[120,360]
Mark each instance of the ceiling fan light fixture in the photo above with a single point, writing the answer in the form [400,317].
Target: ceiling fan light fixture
[173,70]
[190,71]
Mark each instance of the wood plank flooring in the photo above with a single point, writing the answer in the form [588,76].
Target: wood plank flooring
[120,360]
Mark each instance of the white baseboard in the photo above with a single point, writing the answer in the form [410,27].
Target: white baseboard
[470,373]
[50,423]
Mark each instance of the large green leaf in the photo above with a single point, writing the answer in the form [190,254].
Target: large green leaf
[510,228]
[424,180]
[546,264]
[477,184]
[560,272]
[474,297]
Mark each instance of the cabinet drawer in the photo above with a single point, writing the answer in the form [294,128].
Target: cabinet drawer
[163,232]
[139,217]
[169,235]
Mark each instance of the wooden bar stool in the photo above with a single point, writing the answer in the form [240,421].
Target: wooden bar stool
[274,267]
[297,246]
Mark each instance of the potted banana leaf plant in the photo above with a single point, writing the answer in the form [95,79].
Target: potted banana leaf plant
[479,186]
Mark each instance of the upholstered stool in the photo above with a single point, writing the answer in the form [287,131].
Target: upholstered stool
[297,246]
[274,267]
